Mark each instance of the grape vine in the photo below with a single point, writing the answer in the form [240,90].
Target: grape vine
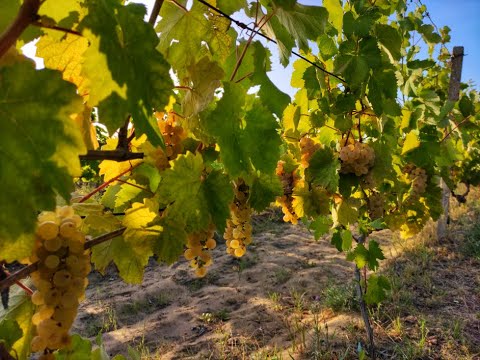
[200,138]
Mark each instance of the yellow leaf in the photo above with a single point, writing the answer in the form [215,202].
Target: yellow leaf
[111,169]
[66,55]
[411,142]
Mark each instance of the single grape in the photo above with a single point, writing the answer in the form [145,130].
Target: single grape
[52,261]
[47,230]
[53,244]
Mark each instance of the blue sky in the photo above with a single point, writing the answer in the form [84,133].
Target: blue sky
[462,16]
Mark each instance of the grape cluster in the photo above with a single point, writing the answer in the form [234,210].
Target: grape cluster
[63,264]
[238,233]
[286,200]
[198,250]
[418,178]
[376,205]
[307,148]
[357,158]
[173,135]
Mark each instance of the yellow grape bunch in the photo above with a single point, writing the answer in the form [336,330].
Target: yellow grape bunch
[288,179]
[418,178]
[173,135]
[198,250]
[60,281]
[238,233]
[357,158]
[307,148]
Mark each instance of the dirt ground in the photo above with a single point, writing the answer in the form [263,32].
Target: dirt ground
[291,297]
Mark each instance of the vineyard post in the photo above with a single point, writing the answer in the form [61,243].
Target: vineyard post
[453,95]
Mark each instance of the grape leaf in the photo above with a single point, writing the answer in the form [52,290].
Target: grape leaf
[363,256]
[296,23]
[231,6]
[80,349]
[203,79]
[260,139]
[182,33]
[224,124]
[377,286]
[411,142]
[66,55]
[121,40]
[323,169]
[20,312]
[64,13]
[218,194]
[320,226]
[264,190]
[169,246]
[127,194]
[335,13]
[389,37]
[141,221]
[10,333]
[129,261]
[274,99]
[181,189]
[39,160]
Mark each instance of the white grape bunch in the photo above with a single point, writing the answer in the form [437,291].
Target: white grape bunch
[357,158]
[238,233]
[198,251]
[307,148]
[60,281]
[288,180]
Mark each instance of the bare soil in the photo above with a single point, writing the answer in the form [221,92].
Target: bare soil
[291,297]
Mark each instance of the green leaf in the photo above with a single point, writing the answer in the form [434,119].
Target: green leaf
[39,160]
[219,194]
[19,334]
[182,33]
[298,23]
[260,138]
[327,47]
[320,226]
[323,169]
[203,79]
[275,100]
[390,38]
[466,106]
[224,124]
[141,221]
[231,6]
[80,349]
[359,255]
[169,246]
[377,287]
[182,189]
[346,212]
[264,190]
[374,254]
[10,333]
[128,194]
[347,239]
[119,40]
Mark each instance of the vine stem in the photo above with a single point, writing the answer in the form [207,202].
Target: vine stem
[55,27]
[155,11]
[27,270]
[106,183]
[363,306]
[26,16]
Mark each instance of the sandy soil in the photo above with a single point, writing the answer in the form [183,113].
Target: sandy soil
[273,303]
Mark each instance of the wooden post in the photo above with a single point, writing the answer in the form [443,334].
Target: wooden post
[453,95]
